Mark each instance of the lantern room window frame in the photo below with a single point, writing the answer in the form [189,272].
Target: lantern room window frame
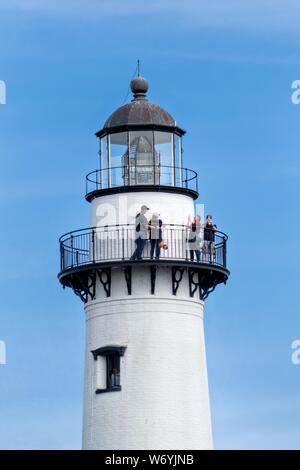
[175,157]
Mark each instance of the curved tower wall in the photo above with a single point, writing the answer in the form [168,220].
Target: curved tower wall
[163,402]
[121,208]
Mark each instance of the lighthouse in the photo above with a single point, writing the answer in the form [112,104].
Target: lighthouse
[145,378]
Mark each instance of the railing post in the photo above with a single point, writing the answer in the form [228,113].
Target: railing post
[153,156]
[186,179]
[128,166]
[101,178]
[93,242]
[173,163]
[72,252]
[185,243]
[62,256]
[123,244]
[108,161]
[224,252]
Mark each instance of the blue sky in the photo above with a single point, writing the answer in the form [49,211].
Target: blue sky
[224,69]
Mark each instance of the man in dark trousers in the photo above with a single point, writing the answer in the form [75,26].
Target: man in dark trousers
[141,233]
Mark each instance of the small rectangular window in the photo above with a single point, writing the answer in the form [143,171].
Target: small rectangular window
[108,368]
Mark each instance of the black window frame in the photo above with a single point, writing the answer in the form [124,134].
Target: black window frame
[113,362]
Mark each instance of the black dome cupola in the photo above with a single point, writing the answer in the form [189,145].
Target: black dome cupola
[140,111]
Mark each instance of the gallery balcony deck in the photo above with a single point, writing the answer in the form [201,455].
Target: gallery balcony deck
[87,252]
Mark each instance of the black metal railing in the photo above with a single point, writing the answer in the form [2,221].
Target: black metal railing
[117,243]
[159,175]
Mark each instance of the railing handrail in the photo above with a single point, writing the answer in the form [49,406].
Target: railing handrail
[194,173]
[115,243]
[69,235]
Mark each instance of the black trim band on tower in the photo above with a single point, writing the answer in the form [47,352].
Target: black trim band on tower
[143,127]
[141,188]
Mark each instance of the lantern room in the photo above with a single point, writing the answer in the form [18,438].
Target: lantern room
[140,144]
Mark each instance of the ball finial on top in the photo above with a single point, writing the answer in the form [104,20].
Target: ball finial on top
[139,87]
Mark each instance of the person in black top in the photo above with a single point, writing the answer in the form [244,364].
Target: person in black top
[209,238]
[155,235]
[141,233]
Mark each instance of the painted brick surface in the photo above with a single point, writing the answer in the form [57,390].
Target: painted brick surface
[164,398]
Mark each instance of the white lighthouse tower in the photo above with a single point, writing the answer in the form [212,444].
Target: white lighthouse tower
[145,366]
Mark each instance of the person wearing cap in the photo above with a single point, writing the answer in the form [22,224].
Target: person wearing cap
[209,238]
[155,235]
[141,233]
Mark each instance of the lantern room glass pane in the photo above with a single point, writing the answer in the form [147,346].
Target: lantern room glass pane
[163,145]
[118,149]
[104,153]
[140,165]
[104,162]
[178,160]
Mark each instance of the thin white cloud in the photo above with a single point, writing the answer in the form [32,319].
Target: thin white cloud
[231,58]
[257,15]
